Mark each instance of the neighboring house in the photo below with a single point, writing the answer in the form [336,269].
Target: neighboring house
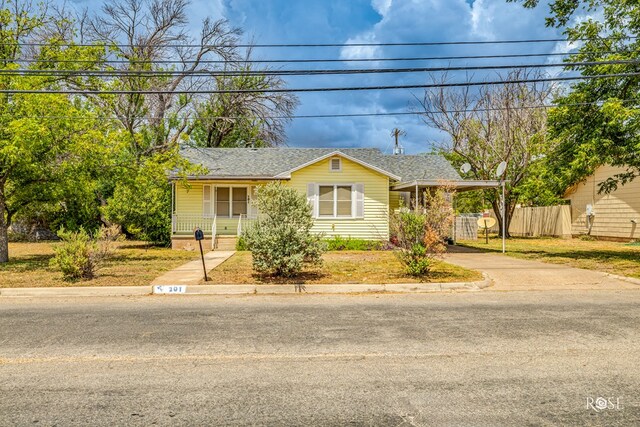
[613,216]
[352,191]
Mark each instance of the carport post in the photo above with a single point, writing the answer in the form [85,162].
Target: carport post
[504,218]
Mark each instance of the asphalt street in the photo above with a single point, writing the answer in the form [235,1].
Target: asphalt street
[474,358]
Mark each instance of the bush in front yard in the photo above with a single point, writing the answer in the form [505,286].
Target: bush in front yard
[281,241]
[80,254]
[339,243]
[419,233]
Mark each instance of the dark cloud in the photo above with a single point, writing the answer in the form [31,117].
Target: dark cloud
[330,21]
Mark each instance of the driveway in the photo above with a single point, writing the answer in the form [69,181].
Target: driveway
[514,274]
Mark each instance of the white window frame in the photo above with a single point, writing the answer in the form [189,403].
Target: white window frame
[331,169]
[335,201]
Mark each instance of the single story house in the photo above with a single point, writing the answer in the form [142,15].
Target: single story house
[609,216]
[352,190]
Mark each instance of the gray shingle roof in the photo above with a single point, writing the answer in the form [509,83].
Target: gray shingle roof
[269,162]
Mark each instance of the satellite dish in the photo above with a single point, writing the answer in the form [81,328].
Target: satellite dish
[501,168]
[486,222]
[465,168]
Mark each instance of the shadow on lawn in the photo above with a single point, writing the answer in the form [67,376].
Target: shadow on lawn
[27,263]
[305,277]
[581,254]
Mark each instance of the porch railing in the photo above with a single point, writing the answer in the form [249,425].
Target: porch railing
[214,233]
[244,221]
[186,223]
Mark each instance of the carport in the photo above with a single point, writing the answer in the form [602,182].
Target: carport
[417,187]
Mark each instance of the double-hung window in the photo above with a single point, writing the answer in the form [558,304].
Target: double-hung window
[231,201]
[335,201]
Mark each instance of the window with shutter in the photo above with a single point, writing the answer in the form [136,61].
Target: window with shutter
[359,202]
[336,201]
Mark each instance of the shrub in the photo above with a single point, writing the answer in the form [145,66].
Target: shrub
[80,254]
[241,244]
[419,234]
[415,260]
[280,241]
[339,243]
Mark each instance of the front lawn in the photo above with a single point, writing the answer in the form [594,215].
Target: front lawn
[610,257]
[133,264]
[379,267]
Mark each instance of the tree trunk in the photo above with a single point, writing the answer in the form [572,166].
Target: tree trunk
[497,209]
[4,228]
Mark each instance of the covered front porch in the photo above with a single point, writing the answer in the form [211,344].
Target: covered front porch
[220,209]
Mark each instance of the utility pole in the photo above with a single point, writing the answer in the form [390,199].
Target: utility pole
[396,133]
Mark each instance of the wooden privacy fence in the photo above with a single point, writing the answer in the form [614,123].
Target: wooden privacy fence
[541,221]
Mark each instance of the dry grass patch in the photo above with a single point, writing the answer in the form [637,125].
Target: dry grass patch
[610,257]
[133,264]
[345,267]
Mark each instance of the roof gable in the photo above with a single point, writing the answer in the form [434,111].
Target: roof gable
[338,153]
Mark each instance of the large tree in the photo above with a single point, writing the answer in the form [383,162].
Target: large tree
[491,124]
[598,121]
[257,118]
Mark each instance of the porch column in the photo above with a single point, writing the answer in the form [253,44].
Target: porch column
[173,207]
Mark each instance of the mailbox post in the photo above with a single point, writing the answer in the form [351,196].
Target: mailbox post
[199,235]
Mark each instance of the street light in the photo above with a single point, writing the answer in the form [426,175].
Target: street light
[502,167]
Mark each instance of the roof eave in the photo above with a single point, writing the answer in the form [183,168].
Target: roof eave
[226,178]
[460,185]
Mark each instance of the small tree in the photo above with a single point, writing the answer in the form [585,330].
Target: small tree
[281,241]
[419,233]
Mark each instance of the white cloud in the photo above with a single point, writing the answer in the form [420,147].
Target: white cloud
[381,6]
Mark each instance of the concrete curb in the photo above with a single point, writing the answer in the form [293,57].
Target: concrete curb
[624,278]
[85,291]
[249,289]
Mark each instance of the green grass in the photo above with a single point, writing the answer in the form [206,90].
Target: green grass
[610,257]
[133,264]
[343,267]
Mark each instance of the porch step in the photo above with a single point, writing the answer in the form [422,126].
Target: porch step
[226,243]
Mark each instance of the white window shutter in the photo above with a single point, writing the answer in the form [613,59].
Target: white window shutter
[251,199]
[206,200]
[312,198]
[359,200]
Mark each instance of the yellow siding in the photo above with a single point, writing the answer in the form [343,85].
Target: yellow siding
[375,224]
[613,212]
[189,200]
[394,200]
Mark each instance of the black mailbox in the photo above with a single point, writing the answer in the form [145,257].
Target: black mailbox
[199,234]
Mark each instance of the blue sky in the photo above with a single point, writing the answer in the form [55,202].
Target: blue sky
[340,21]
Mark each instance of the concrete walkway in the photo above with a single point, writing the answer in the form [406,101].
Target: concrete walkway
[514,274]
[191,272]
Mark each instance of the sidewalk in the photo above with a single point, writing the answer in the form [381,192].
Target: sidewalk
[191,273]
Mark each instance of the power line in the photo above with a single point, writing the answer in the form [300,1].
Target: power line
[293,61]
[307,45]
[325,89]
[346,115]
[170,73]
